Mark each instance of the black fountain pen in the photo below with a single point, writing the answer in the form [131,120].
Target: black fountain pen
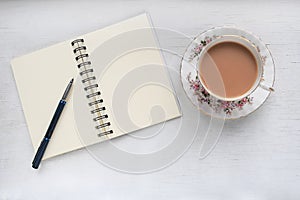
[42,148]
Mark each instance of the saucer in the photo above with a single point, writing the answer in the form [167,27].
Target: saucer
[208,104]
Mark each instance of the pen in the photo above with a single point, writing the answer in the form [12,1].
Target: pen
[42,148]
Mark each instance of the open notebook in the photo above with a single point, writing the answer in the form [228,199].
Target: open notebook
[101,81]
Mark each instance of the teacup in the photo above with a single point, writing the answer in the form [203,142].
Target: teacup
[230,68]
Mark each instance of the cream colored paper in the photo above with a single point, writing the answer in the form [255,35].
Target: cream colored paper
[42,76]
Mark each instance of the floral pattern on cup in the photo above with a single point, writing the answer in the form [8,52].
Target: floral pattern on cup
[203,96]
[216,104]
[198,48]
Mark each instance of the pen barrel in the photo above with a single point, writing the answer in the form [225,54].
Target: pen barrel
[42,148]
[55,118]
[40,152]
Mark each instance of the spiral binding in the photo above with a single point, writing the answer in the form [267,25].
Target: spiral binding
[91,87]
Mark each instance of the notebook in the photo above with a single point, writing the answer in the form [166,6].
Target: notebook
[105,101]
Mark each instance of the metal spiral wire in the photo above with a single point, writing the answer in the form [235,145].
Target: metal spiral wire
[91,87]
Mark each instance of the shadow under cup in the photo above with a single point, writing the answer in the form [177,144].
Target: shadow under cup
[230,68]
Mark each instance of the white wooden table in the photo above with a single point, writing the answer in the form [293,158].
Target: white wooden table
[257,157]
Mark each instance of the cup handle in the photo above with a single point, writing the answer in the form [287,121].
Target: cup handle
[270,89]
